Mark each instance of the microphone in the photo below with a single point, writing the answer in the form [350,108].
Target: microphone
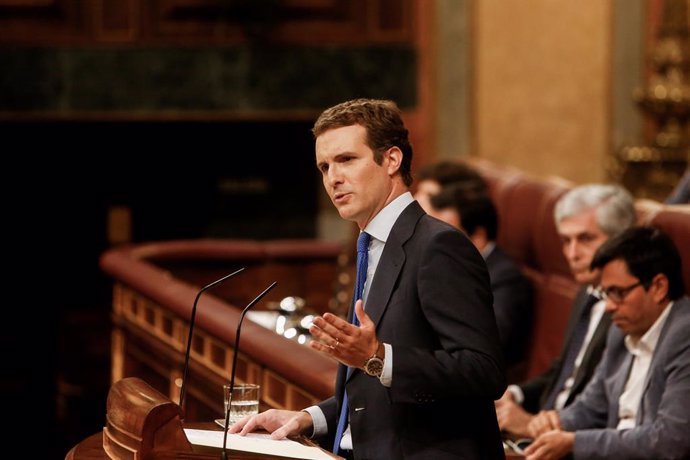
[192,319]
[224,454]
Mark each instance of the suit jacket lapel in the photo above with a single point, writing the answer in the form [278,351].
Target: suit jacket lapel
[619,385]
[660,344]
[392,261]
[390,264]
[579,305]
[599,336]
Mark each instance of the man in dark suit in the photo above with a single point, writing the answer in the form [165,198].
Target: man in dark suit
[637,405]
[586,217]
[425,349]
[476,215]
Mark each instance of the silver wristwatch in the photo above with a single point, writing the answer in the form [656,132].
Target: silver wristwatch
[374,365]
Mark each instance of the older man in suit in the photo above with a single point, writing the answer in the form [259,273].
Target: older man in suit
[421,347]
[586,217]
[637,405]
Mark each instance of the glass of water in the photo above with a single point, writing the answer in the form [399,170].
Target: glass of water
[243,401]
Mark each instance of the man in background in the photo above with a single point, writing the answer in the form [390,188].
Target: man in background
[476,215]
[637,405]
[586,217]
[434,177]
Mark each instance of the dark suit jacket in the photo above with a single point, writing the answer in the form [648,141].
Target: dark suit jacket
[663,418]
[430,300]
[512,304]
[537,389]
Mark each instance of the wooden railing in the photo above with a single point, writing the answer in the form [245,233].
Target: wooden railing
[155,286]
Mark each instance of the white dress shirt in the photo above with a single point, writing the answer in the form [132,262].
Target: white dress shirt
[642,350]
[595,316]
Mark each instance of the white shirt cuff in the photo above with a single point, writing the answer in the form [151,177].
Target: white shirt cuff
[318,420]
[518,395]
[387,374]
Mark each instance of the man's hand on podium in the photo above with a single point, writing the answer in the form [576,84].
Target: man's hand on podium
[280,423]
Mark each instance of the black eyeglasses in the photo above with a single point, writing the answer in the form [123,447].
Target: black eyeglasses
[616,293]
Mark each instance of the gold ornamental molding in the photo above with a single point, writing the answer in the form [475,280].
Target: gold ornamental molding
[653,170]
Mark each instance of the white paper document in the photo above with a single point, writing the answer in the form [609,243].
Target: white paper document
[258,443]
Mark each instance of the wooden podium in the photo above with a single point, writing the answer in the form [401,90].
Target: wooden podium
[142,424]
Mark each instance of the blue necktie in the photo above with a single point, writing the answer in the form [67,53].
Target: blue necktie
[362,262]
[573,350]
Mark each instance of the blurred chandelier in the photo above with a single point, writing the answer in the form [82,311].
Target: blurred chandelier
[651,171]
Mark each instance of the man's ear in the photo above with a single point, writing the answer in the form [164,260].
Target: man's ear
[659,288]
[394,156]
[479,237]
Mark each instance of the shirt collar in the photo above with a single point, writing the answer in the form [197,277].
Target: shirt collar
[591,290]
[488,249]
[381,225]
[650,338]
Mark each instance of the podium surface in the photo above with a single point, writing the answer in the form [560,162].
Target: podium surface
[91,448]
[142,424]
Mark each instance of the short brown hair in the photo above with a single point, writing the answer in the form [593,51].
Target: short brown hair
[451,173]
[383,121]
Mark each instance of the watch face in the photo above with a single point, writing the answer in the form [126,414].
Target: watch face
[374,367]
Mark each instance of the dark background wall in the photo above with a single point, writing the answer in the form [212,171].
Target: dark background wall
[228,81]
[179,180]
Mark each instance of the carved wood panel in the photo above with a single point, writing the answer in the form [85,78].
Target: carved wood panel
[43,21]
[204,22]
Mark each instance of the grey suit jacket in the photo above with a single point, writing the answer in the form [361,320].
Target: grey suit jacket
[430,300]
[663,419]
[537,389]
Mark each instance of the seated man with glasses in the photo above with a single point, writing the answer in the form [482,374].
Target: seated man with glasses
[637,405]
[617,294]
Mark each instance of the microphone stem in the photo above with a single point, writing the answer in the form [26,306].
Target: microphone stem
[192,319]
[226,426]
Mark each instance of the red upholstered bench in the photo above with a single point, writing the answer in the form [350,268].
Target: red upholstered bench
[528,233]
